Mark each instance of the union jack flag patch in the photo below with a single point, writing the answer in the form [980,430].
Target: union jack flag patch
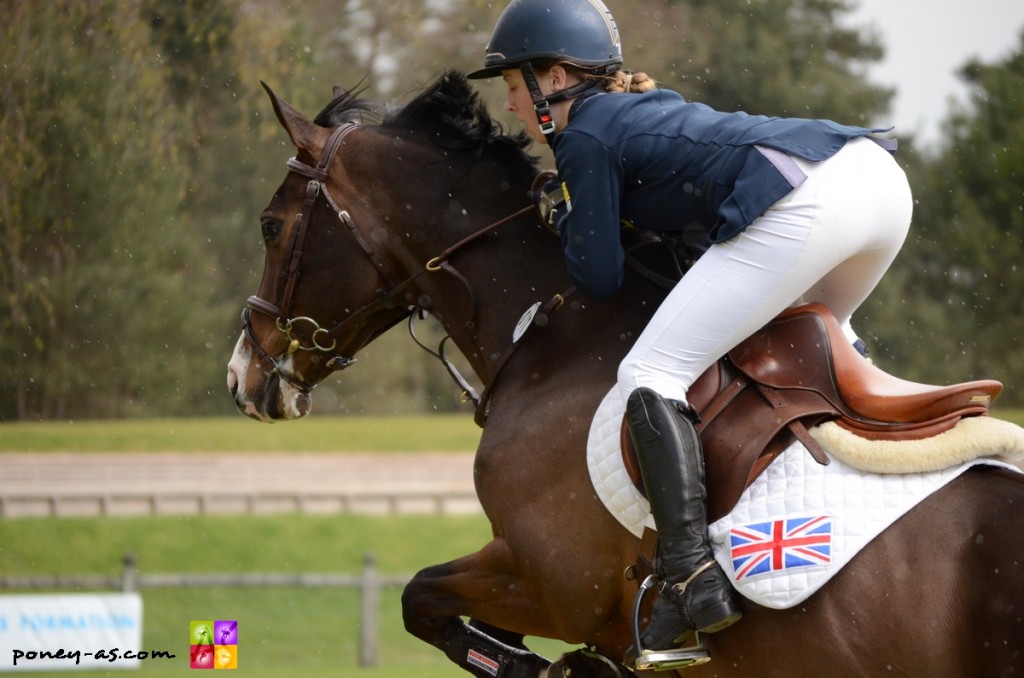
[777,545]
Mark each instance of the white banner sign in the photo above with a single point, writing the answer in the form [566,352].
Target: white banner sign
[70,631]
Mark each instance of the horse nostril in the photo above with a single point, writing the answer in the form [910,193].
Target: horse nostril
[233,382]
[303,404]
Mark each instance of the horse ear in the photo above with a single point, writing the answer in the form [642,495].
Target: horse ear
[302,132]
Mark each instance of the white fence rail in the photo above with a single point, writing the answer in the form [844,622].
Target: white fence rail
[234,502]
[369,582]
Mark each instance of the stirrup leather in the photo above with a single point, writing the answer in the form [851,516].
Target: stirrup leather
[665,660]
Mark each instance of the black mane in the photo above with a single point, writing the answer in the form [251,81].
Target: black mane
[346,107]
[449,113]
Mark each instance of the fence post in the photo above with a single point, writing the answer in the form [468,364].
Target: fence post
[369,619]
[129,577]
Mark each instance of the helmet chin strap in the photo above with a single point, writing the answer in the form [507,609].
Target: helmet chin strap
[542,103]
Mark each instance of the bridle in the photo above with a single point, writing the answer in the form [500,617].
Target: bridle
[306,334]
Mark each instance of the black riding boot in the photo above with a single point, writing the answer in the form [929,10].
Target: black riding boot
[694,591]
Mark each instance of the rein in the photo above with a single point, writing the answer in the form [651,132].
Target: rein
[306,334]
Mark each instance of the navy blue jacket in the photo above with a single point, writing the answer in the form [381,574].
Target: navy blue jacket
[663,164]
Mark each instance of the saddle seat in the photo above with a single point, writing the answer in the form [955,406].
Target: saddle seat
[870,401]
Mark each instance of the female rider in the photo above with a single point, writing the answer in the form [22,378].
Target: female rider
[793,211]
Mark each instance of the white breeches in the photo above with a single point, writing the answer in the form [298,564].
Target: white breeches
[830,240]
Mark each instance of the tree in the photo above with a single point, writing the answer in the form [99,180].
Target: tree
[122,206]
[959,282]
[87,188]
[770,57]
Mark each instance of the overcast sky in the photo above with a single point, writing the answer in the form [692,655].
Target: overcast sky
[926,42]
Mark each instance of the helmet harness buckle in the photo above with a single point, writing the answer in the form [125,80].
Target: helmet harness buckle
[541,103]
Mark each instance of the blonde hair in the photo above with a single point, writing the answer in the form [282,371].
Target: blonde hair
[630,82]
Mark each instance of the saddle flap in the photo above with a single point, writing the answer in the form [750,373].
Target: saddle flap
[740,437]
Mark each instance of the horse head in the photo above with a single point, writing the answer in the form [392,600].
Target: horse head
[354,233]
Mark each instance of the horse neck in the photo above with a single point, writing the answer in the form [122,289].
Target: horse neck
[496,280]
[485,287]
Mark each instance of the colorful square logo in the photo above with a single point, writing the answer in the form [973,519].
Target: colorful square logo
[225,632]
[200,656]
[200,632]
[213,644]
[225,656]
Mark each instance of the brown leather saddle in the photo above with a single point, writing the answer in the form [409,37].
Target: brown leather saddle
[797,372]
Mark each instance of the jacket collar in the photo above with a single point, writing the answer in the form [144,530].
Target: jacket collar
[581,99]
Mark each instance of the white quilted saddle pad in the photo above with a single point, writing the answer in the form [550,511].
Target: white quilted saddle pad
[796,526]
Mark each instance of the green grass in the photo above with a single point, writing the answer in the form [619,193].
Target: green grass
[455,432]
[283,631]
[1014,415]
[276,543]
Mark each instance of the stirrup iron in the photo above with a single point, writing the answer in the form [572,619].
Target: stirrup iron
[664,660]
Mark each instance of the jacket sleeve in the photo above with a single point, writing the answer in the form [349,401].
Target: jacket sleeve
[593,177]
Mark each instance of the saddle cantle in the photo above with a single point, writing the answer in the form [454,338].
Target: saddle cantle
[795,373]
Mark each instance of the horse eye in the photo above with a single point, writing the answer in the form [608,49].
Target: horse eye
[271,229]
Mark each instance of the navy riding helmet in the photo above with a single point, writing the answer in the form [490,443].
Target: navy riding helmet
[580,32]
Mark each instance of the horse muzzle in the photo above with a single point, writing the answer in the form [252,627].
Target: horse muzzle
[262,394]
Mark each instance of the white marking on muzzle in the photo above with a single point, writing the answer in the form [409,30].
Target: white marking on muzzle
[295,403]
[292,402]
[238,366]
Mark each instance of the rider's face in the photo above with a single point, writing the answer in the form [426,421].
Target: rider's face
[519,102]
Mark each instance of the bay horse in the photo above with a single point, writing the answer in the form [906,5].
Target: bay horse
[426,207]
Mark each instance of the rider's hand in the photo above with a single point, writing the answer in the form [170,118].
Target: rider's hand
[550,201]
